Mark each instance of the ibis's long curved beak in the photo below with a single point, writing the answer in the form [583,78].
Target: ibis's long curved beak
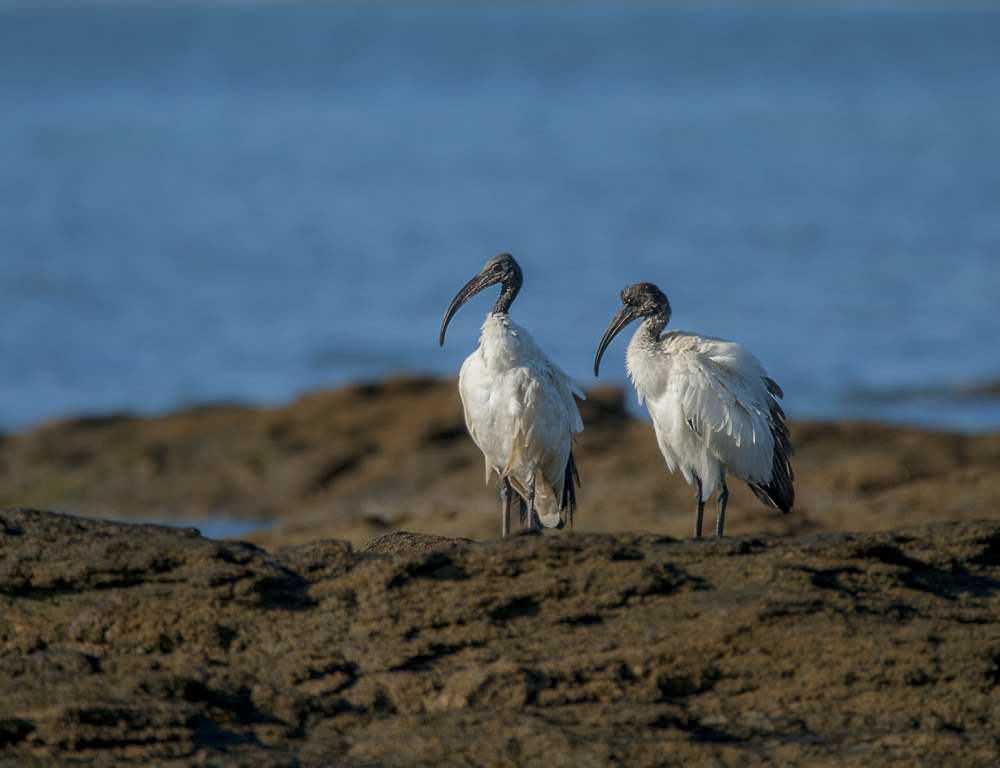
[470,289]
[625,316]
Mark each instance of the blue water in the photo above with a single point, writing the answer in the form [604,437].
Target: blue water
[221,529]
[203,203]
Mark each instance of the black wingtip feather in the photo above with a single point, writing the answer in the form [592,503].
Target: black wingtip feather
[773,388]
[567,504]
[779,493]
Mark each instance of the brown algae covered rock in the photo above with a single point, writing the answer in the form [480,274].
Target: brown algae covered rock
[132,644]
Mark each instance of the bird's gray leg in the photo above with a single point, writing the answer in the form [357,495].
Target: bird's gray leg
[700,513]
[505,492]
[534,522]
[720,521]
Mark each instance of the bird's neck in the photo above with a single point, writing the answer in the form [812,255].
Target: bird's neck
[508,292]
[652,327]
[644,360]
[642,363]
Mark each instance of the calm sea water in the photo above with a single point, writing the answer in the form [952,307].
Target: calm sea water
[203,203]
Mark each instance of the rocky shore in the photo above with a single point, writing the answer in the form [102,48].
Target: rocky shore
[337,639]
[356,462]
[124,644]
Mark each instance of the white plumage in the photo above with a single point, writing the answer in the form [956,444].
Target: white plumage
[519,407]
[520,411]
[709,404]
[713,406]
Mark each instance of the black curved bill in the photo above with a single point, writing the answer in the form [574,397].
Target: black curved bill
[625,316]
[470,289]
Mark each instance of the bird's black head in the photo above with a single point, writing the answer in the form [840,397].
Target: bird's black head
[646,300]
[502,269]
[638,300]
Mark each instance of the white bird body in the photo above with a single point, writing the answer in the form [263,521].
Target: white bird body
[521,413]
[710,406]
[714,408]
[519,407]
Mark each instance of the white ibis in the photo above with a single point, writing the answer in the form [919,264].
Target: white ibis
[714,408]
[519,407]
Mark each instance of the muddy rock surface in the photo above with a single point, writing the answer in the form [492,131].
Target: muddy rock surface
[364,460]
[141,645]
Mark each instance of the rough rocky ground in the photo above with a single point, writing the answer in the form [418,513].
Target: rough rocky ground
[146,645]
[362,460]
[124,644]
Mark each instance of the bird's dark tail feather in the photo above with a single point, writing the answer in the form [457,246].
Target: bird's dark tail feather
[567,504]
[779,493]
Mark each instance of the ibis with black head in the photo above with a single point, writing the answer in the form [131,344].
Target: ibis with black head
[714,408]
[519,407]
